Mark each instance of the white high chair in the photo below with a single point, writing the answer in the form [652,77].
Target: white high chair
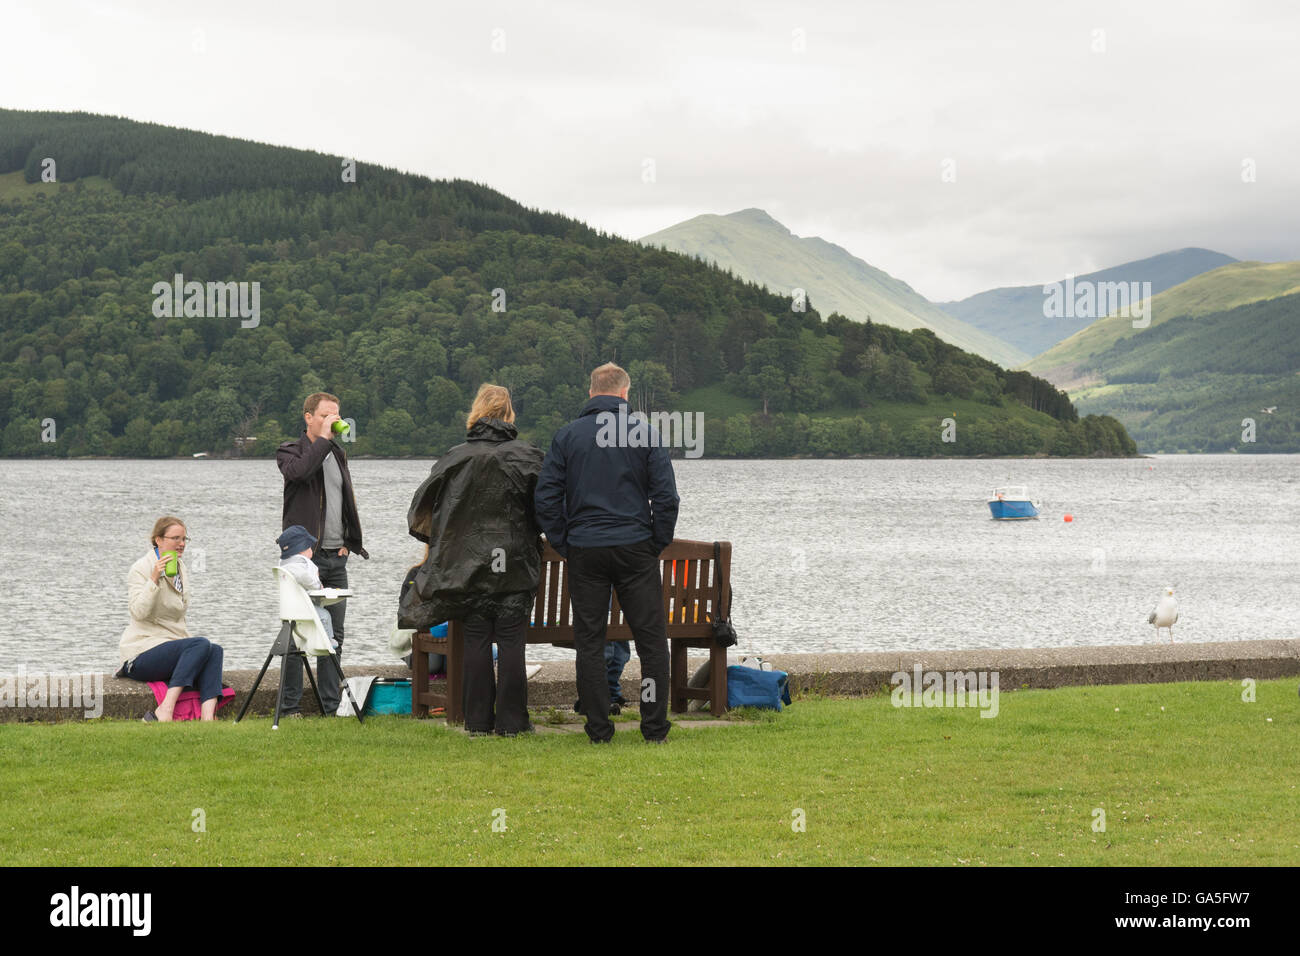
[299,621]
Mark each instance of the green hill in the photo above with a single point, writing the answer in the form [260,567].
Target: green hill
[401,295]
[1191,382]
[1015,314]
[756,247]
[1076,362]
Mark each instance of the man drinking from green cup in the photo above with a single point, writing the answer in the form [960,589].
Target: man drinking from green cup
[318,496]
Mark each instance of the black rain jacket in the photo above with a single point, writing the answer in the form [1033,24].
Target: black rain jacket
[475,510]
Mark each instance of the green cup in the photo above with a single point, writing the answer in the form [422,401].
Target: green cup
[169,568]
[340,427]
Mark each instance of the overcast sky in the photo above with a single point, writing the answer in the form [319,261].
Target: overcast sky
[1077,135]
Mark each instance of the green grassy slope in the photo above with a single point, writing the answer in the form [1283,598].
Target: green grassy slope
[717,404]
[1067,363]
[1189,383]
[1015,314]
[14,186]
[756,247]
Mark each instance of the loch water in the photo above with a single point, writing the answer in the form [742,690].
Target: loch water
[827,555]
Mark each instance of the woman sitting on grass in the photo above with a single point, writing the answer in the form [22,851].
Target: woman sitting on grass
[156,646]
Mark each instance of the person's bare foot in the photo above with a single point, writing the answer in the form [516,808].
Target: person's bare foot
[164,714]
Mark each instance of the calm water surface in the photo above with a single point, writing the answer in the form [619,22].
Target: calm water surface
[828,555]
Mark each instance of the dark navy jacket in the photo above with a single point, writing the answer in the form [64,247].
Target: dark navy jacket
[593,496]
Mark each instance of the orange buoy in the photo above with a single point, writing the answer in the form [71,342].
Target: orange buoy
[1069,517]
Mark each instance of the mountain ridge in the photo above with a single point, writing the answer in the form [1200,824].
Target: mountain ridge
[754,245]
[1231,285]
[1217,381]
[1015,314]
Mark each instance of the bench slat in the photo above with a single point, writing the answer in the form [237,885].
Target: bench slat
[552,590]
[562,569]
[708,589]
[539,605]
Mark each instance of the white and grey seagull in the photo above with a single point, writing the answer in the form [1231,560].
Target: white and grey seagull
[1165,614]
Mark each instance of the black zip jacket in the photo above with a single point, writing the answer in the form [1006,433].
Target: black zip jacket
[302,463]
[594,494]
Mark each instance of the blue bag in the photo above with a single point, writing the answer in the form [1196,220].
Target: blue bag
[750,687]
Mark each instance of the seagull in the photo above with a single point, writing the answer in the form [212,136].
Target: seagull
[1165,614]
[1270,410]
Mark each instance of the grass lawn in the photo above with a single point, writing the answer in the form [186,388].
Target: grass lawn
[1187,774]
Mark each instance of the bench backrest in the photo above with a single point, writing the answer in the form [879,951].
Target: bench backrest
[689,594]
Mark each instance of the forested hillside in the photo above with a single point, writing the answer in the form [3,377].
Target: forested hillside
[1219,290]
[1191,382]
[402,295]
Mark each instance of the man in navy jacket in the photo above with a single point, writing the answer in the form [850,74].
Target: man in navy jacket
[607,500]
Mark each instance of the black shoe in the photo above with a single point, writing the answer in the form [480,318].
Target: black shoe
[479,733]
[657,740]
[515,733]
[615,709]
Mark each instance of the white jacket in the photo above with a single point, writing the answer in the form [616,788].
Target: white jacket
[157,609]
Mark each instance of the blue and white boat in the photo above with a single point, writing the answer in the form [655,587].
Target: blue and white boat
[1012,503]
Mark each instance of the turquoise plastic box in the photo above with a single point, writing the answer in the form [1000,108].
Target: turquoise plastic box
[389,695]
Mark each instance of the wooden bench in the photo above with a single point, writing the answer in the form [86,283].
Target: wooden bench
[689,591]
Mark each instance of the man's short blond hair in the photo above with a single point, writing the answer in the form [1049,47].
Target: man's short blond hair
[609,379]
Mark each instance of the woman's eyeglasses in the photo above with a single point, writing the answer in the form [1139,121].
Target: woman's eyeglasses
[176,537]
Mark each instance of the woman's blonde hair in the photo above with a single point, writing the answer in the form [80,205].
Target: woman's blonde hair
[492,401]
[161,525]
